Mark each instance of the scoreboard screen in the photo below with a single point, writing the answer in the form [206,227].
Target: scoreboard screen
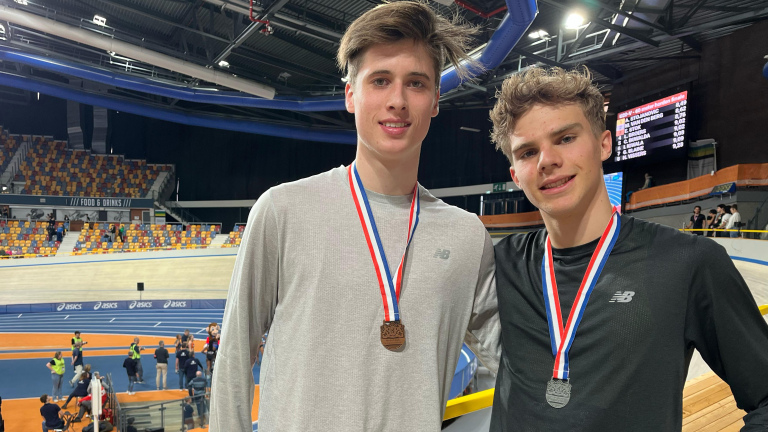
[649,128]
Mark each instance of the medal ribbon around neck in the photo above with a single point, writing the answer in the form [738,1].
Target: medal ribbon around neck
[390,291]
[562,337]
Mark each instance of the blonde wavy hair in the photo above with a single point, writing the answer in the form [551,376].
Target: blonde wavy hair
[551,86]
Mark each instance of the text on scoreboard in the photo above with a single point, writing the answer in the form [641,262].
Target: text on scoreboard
[661,123]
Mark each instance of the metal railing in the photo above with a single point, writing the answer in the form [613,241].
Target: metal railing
[169,415]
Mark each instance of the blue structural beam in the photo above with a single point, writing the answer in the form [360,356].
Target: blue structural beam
[520,15]
[176,116]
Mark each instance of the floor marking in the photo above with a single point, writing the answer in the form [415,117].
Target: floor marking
[112,320]
[157,324]
[66,317]
[19,316]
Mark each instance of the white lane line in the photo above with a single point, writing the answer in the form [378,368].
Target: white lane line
[157,324]
[66,317]
[112,320]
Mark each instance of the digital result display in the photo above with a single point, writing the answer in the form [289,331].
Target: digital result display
[648,128]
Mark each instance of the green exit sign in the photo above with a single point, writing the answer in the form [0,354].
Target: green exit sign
[499,187]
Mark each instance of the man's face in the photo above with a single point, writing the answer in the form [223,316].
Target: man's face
[393,98]
[696,210]
[557,160]
[733,210]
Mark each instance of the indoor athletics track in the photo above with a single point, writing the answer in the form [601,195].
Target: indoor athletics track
[30,339]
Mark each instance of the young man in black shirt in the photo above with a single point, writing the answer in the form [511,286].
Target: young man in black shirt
[697,221]
[601,312]
[51,413]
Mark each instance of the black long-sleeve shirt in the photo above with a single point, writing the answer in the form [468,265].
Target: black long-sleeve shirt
[661,294]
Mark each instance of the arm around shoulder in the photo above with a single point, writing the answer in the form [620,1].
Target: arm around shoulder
[251,303]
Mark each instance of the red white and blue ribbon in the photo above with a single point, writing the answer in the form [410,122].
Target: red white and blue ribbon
[389,286]
[561,336]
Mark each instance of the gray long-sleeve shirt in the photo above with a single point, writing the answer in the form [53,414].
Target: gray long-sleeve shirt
[305,273]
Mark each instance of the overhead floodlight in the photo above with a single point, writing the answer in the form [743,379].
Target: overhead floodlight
[100,20]
[224,64]
[574,21]
[2,32]
[22,2]
[538,34]
[5,188]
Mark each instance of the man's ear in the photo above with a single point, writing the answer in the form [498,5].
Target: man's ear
[514,176]
[606,145]
[436,107]
[349,101]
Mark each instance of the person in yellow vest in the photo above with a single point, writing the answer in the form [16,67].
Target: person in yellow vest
[136,350]
[77,339]
[56,365]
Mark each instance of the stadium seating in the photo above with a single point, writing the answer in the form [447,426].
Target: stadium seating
[8,146]
[22,239]
[49,168]
[95,239]
[235,236]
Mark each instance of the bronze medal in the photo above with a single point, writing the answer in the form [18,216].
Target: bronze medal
[393,335]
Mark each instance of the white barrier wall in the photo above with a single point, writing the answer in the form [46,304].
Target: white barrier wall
[746,249]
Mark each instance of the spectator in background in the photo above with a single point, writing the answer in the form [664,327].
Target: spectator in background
[121,233]
[725,213]
[137,349]
[197,389]
[77,339]
[161,355]
[191,368]
[189,420]
[130,368]
[60,232]
[77,363]
[5,214]
[112,232]
[209,349]
[711,222]
[734,222]
[51,413]
[181,361]
[131,427]
[697,221]
[66,218]
[81,389]
[86,405]
[649,183]
[56,365]
[185,337]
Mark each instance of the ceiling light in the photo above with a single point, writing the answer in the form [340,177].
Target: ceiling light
[100,20]
[5,187]
[21,2]
[538,34]
[574,21]
[224,64]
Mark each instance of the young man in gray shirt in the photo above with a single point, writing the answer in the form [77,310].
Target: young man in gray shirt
[367,283]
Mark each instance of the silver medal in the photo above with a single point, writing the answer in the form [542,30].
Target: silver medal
[558,392]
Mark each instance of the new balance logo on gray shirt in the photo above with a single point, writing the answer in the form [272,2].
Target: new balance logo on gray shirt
[442,253]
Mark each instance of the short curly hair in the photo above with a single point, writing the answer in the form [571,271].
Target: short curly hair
[408,20]
[553,86]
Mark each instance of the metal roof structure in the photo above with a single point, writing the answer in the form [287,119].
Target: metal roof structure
[294,53]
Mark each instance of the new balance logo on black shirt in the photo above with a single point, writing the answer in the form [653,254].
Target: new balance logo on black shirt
[622,297]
